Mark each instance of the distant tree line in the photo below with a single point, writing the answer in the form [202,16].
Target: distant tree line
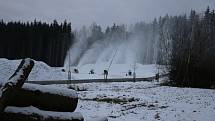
[36,40]
[184,43]
[189,44]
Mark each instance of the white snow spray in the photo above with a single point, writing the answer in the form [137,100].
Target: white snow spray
[138,48]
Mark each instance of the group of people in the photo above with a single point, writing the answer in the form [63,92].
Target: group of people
[105,73]
[75,70]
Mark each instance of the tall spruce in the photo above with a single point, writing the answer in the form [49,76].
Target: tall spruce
[37,40]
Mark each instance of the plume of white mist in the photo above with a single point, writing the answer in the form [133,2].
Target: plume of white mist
[134,49]
[78,48]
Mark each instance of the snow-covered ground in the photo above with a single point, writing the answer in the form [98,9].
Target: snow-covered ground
[127,101]
[144,101]
[115,71]
[42,71]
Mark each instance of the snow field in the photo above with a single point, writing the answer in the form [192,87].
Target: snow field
[42,71]
[145,101]
[127,101]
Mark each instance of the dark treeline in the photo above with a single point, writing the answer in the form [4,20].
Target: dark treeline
[37,40]
[192,58]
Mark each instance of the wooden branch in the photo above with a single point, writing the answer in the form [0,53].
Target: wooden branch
[48,98]
[8,90]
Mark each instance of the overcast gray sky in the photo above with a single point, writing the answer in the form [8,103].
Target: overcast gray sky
[103,12]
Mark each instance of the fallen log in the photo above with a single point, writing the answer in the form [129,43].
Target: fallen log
[33,114]
[49,98]
[8,89]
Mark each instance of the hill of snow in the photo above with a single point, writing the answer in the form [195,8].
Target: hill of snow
[115,71]
[42,71]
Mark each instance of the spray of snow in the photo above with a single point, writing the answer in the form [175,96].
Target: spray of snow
[134,49]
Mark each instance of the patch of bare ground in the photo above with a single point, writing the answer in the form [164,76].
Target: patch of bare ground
[116,100]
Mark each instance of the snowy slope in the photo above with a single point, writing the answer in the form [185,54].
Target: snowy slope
[42,71]
[115,71]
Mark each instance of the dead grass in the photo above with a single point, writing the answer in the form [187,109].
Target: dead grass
[112,100]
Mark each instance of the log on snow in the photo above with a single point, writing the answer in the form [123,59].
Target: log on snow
[8,89]
[46,97]
[34,114]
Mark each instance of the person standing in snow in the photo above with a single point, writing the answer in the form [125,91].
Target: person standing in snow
[105,74]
